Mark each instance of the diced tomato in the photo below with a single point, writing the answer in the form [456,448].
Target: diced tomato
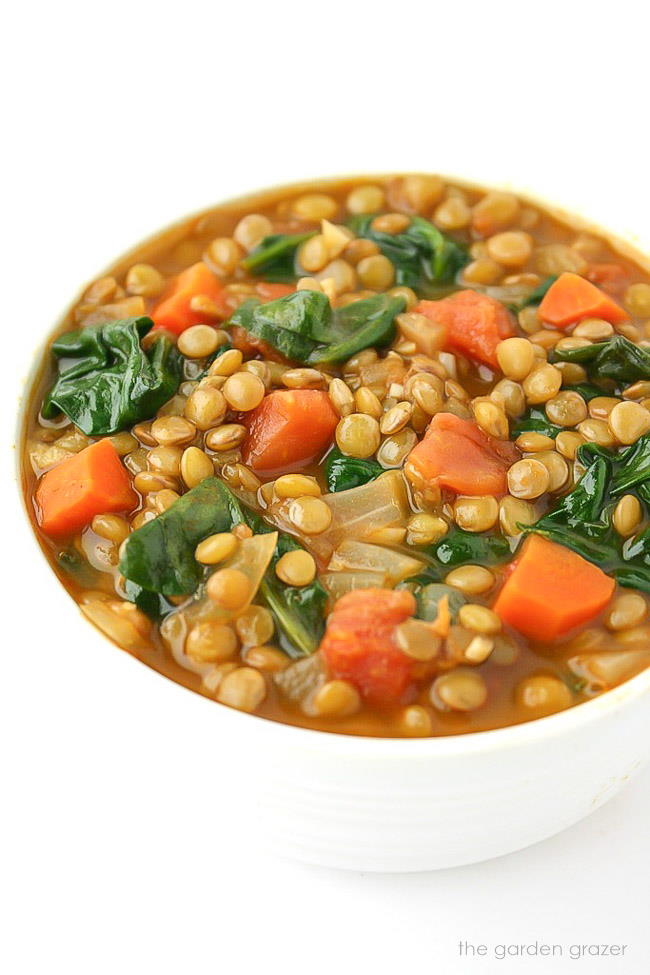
[288,430]
[359,644]
[91,483]
[612,278]
[173,311]
[474,324]
[571,298]
[457,455]
[250,346]
[551,590]
[270,290]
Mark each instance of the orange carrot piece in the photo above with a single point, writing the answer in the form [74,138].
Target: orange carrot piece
[571,298]
[551,590]
[360,646]
[474,324]
[288,430]
[457,455]
[173,312]
[91,483]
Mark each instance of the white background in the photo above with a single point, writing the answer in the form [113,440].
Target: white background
[118,119]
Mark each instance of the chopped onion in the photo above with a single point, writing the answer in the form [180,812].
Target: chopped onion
[252,557]
[362,556]
[115,625]
[356,513]
[601,671]
[365,509]
[301,678]
[340,583]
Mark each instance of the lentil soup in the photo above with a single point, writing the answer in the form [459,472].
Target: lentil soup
[371,456]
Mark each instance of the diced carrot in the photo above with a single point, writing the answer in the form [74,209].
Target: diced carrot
[90,483]
[288,430]
[551,590]
[457,455]
[360,646]
[571,298]
[612,278]
[173,312]
[474,324]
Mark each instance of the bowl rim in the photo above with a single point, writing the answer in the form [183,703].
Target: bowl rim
[552,726]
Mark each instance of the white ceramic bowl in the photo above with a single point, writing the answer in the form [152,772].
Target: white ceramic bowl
[406,805]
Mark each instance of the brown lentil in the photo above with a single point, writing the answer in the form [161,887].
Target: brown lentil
[226,437]
[336,699]
[627,515]
[310,515]
[358,435]
[210,642]
[476,514]
[296,568]
[528,479]
[243,688]
[628,421]
[514,512]
[216,548]
[460,690]
[171,431]
[229,588]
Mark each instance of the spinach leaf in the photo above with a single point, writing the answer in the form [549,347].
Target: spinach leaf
[275,257]
[535,421]
[299,611]
[422,256]
[459,547]
[303,326]
[159,556]
[107,382]
[582,519]
[343,472]
[631,466]
[586,390]
[535,297]
[159,561]
[617,359]
[152,604]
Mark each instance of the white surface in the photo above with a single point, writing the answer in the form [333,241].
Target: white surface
[123,117]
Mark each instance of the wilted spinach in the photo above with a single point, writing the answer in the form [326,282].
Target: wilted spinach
[617,359]
[107,381]
[582,521]
[303,326]
[275,257]
[459,547]
[536,296]
[422,256]
[159,556]
[299,611]
[158,561]
[343,472]
[535,421]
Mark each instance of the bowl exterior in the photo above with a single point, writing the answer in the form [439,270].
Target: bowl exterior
[391,809]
